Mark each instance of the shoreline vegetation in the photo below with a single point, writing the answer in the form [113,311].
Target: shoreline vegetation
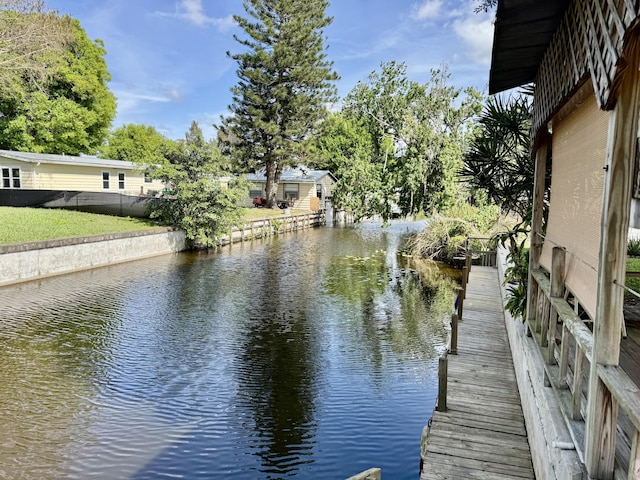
[22,224]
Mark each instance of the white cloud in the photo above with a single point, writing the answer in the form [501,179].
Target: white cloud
[428,10]
[477,34]
[193,11]
[135,98]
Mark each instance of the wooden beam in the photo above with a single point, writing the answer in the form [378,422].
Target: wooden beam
[558,262]
[535,251]
[621,155]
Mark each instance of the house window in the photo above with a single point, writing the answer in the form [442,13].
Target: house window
[147,178]
[121,184]
[105,181]
[290,191]
[11,178]
[255,191]
[319,190]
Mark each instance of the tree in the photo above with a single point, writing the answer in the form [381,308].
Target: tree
[28,33]
[285,82]
[499,159]
[416,133]
[140,144]
[344,147]
[485,5]
[500,162]
[201,204]
[68,111]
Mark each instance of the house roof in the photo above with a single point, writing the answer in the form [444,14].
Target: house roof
[523,30]
[84,161]
[293,175]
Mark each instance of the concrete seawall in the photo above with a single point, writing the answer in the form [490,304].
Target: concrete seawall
[22,262]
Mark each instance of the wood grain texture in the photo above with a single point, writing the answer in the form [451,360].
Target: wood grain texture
[482,434]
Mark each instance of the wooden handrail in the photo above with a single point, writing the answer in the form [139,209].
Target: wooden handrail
[576,326]
[623,389]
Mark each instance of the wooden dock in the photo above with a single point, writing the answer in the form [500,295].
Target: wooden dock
[482,433]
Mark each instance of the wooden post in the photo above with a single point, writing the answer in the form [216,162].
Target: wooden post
[577,384]
[443,363]
[564,356]
[634,460]
[454,334]
[467,259]
[602,409]
[460,303]
[536,230]
[558,262]
[464,280]
[537,325]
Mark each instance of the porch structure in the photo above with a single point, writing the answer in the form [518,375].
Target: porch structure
[581,405]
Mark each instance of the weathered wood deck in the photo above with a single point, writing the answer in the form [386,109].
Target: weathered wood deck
[482,434]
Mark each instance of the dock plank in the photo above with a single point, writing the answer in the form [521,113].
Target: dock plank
[482,435]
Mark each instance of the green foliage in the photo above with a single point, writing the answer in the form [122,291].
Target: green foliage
[34,224]
[516,278]
[69,111]
[485,5]
[285,81]
[499,159]
[444,236]
[340,142]
[442,239]
[633,265]
[140,144]
[411,139]
[633,247]
[201,204]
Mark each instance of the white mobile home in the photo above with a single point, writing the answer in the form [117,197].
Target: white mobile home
[39,171]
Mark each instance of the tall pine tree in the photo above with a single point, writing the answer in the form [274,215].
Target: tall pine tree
[285,81]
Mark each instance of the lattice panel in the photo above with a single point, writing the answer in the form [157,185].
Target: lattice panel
[589,40]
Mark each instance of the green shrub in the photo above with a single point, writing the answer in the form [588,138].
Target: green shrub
[445,235]
[633,247]
[516,276]
[442,239]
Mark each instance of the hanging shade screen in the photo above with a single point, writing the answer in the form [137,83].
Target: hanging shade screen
[577,182]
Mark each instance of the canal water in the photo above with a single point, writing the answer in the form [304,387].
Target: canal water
[312,355]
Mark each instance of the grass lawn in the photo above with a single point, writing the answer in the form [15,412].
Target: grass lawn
[33,224]
[633,265]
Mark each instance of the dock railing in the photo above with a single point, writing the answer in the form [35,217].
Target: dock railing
[268,227]
[566,344]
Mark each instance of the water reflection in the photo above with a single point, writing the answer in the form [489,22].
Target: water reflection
[280,360]
[312,355]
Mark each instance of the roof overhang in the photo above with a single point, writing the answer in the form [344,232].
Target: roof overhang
[523,30]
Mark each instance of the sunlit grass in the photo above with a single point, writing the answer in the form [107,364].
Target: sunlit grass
[19,225]
[633,265]
[33,224]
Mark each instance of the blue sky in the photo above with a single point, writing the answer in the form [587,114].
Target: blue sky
[169,65]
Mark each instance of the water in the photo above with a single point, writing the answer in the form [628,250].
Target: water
[313,355]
